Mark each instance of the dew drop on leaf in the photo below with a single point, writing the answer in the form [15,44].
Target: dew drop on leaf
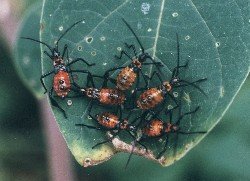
[175,14]
[60,28]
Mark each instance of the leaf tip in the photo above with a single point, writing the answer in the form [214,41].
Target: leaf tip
[91,157]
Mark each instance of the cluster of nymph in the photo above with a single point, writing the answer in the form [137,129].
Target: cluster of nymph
[125,92]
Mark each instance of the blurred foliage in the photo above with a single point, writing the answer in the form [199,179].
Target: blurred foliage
[22,151]
[20,6]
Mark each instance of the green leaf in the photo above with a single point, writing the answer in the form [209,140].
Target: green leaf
[103,35]
[229,27]
[27,54]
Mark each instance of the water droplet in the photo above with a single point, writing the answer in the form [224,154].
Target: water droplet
[69,102]
[170,107]
[175,94]
[87,160]
[93,53]
[105,63]
[187,37]
[60,28]
[217,44]
[50,15]
[149,30]
[79,48]
[145,8]
[175,14]
[89,39]
[103,38]
[119,48]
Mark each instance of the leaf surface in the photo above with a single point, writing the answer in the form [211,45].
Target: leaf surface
[103,34]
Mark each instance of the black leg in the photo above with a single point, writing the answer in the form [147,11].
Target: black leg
[136,37]
[49,47]
[181,116]
[178,57]
[195,132]
[156,74]
[175,72]
[135,119]
[55,104]
[143,119]
[134,94]
[89,77]
[187,83]
[144,78]
[65,50]
[42,77]
[80,59]
[154,63]
[133,48]
[103,142]
[106,75]
[130,155]
[170,113]
[88,126]
[123,53]
[173,98]
[144,146]
[90,109]
[106,141]
[46,53]
[66,31]
[157,64]
[78,71]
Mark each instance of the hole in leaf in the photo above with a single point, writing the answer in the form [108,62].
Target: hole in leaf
[175,14]
[79,48]
[89,39]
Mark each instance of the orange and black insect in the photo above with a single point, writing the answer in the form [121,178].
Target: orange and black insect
[111,122]
[61,81]
[131,73]
[157,128]
[105,96]
[153,96]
